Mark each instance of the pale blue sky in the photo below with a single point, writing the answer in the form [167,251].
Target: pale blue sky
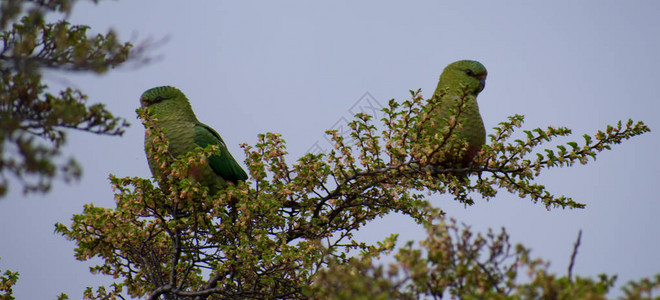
[297,67]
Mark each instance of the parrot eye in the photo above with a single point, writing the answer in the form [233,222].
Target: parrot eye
[469,72]
[158,99]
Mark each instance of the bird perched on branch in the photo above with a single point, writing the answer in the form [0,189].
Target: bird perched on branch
[185,133]
[463,79]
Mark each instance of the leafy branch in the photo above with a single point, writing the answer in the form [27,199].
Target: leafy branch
[276,235]
[34,121]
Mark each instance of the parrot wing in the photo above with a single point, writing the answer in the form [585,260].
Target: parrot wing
[224,163]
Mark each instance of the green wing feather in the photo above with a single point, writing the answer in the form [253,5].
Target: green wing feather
[224,164]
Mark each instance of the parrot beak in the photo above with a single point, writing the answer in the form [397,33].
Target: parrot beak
[144,102]
[482,81]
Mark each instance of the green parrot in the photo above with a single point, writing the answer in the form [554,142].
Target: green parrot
[185,133]
[457,76]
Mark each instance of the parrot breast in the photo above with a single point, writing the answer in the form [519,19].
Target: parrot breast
[181,138]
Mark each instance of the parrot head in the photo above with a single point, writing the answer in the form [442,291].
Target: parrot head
[168,103]
[469,73]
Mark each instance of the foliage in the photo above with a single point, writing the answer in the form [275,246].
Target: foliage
[454,262]
[7,281]
[33,119]
[644,288]
[289,231]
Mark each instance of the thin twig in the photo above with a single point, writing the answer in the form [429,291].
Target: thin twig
[575,248]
